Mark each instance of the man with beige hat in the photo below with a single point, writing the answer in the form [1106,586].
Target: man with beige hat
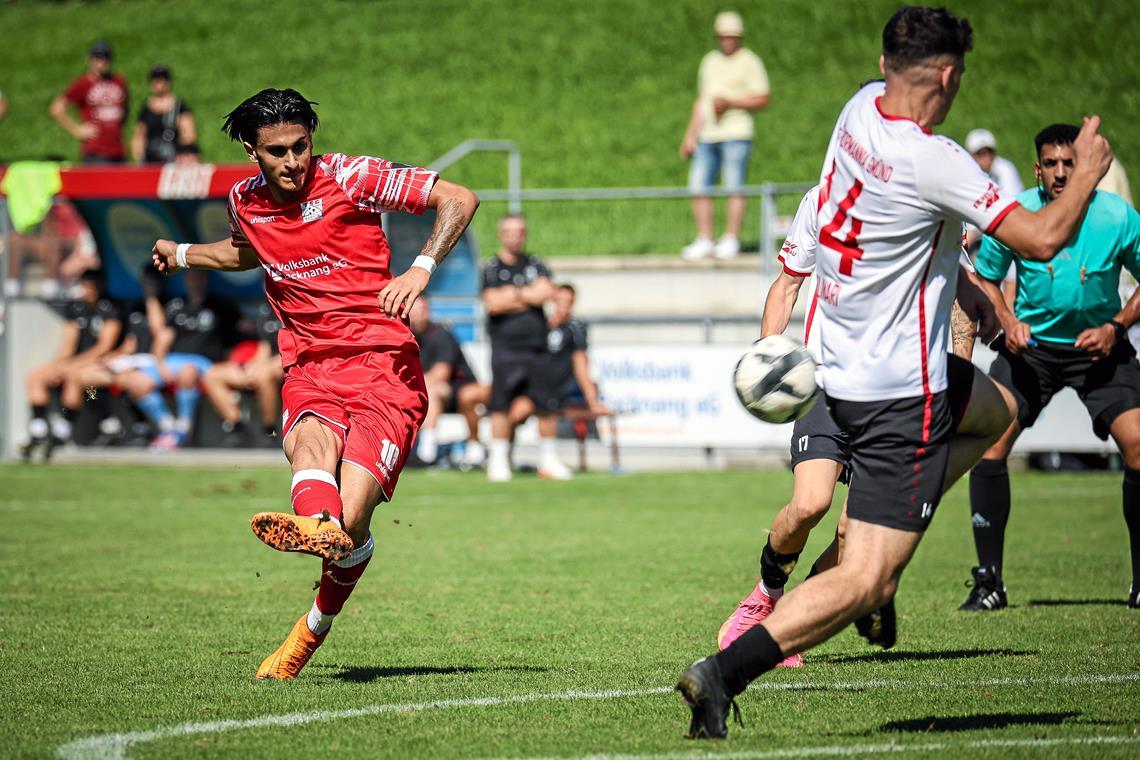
[731,84]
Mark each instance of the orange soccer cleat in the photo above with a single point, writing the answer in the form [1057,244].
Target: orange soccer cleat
[294,652]
[318,535]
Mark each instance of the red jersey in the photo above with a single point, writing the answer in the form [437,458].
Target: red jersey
[325,257]
[102,102]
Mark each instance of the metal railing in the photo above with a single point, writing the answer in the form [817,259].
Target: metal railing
[514,164]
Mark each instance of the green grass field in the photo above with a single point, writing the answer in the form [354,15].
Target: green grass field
[595,94]
[534,620]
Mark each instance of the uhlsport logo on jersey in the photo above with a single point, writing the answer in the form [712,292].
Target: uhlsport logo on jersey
[389,456]
[312,210]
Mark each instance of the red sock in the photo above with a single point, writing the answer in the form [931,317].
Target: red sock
[315,491]
[338,579]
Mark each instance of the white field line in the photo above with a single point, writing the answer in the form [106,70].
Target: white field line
[116,745]
[867,749]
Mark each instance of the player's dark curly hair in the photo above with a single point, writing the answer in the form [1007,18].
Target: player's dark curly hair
[916,33]
[1056,134]
[267,108]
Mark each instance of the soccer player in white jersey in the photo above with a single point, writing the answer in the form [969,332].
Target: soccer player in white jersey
[820,451]
[895,196]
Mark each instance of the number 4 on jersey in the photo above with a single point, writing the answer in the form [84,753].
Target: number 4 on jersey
[848,248]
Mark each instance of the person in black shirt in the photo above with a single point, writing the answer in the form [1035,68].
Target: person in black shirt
[199,331]
[569,361]
[143,319]
[92,330]
[259,371]
[516,285]
[165,131]
[451,385]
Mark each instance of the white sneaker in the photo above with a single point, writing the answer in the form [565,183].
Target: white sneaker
[498,470]
[474,454]
[701,248]
[727,247]
[553,469]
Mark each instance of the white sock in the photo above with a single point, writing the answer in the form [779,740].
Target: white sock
[38,427]
[61,429]
[317,621]
[772,593]
[427,448]
[182,425]
[500,450]
[548,451]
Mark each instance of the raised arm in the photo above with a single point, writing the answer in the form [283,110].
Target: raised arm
[1038,236]
[454,206]
[223,256]
[778,305]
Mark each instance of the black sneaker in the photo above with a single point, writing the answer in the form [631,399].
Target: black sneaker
[879,626]
[28,449]
[1133,597]
[987,594]
[703,688]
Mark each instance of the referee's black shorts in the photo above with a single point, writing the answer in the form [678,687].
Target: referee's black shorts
[900,449]
[1108,387]
[521,372]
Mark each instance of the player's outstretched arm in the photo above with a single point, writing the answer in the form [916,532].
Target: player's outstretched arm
[454,206]
[1038,236]
[223,256]
[779,304]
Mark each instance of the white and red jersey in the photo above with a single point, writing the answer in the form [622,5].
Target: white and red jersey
[325,256]
[797,256]
[893,198]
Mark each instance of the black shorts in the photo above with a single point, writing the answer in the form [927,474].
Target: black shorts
[816,436]
[1108,387]
[518,372]
[900,449]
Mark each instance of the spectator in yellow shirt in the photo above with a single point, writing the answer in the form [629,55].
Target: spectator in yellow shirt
[731,84]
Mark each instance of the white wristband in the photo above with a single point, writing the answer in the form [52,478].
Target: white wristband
[180,255]
[425,262]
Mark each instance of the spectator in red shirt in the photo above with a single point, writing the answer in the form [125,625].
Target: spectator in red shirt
[100,98]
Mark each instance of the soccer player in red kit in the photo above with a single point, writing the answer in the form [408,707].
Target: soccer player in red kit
[354,393]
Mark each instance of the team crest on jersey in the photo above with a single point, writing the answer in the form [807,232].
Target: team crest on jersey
[789,248]
[312,210]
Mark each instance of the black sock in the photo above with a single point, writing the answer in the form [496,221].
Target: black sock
[67,413]
[1132,520]
[775,567]
[749,657]
[989,507]
[39,411]
[269,430]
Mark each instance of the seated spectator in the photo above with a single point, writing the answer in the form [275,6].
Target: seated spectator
[259,372]
[92,331]
[199,329]
[451,386]
[165,132]
[144,319]
[569,361]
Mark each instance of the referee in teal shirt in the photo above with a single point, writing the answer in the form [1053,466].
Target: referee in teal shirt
[1068,331]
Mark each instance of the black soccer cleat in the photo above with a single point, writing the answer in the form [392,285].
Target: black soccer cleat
[1134,597]
[879,626]
[703,689]
[987,594]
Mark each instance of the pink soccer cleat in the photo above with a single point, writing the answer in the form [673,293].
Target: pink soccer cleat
[749,613]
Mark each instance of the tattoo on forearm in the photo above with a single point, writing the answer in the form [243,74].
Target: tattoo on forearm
[451,220]
[962,331]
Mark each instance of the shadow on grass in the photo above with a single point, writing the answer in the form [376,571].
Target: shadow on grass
[1076,602]
[934,724]
[942,654]
[366,675]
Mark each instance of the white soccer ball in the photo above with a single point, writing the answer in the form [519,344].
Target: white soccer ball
[775,379]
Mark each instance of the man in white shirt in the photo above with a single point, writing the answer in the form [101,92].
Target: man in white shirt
[732,83]
[894,197]
[982,145]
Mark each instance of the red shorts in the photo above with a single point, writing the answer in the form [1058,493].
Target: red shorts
[375,400]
